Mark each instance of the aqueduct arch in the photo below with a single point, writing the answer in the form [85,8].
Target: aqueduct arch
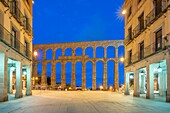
[73,58]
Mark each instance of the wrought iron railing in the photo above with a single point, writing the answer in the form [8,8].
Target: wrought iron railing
[156,12]
[138,29]
[16,13]
[5,2]
[128,39]
[135,57]
[151,49]
[28,28]
[13,42]
[128,61]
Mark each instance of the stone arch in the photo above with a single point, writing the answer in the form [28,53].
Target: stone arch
[89,52]
[100,52]
[121,50]
[58,53]
[68,52]
[68,72]
[110,72]
[89,74]
[48,72]
[39,68]
[78,72]
[58,72]
[110,52]
[40,54]
[49,54]
[99,73]
[79,51]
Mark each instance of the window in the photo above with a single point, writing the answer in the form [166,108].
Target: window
[158,7]
[141,50]
[26,23]
[141,21]
[130,33]
[14,38]
[158,40]
[14,7]
[130,57]
[26,48]
[130,11]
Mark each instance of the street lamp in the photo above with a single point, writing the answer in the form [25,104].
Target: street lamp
[122,59]
[101,87]
[124,12]
[35,54]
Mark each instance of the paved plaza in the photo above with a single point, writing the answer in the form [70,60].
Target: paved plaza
[82,102]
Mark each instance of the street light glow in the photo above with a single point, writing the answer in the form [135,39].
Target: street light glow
[35,53]
[101,87]
[122,59]
[123,12]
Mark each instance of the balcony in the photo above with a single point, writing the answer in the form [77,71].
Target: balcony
[8,39]
[21,19]
[5,3]
[138,29]
[128,39]
[151,49]
[135,57]
[155,13]
[16,13]
[28,28]
[128,62]
[148,51]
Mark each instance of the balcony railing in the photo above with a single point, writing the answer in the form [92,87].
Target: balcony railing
[135,57]
[151,49]
[128,39]
[28,28]
[138,29]
[155,13]
[16,13]
[5,2]
[13,42]
[128,62]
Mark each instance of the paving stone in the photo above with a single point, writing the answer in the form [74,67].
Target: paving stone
[82,102]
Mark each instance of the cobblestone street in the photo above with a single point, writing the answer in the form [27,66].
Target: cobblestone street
[82,102]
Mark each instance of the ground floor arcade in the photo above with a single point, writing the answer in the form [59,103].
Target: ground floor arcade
[149,77]
[15,73]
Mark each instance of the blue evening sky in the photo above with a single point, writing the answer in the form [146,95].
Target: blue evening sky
[75,21]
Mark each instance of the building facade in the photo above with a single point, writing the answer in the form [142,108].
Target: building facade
[147,52]
[15,47]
